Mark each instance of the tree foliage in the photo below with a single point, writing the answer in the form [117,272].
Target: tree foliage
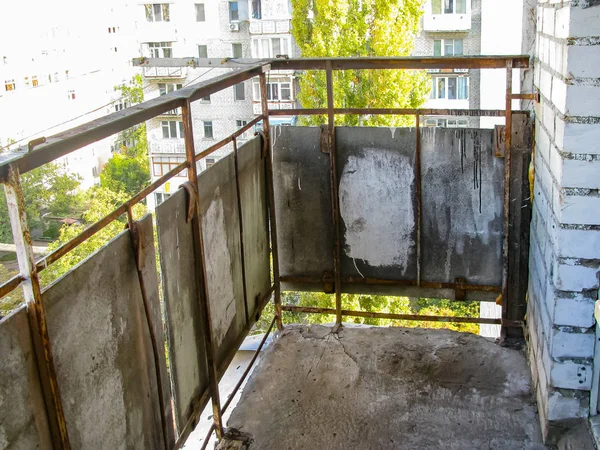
[128,171]
[47,189]
[99,202]
[12,300]
[359,28]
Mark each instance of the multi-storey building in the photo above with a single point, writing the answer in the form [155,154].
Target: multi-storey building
[219,29]
[451,28]
[62,72]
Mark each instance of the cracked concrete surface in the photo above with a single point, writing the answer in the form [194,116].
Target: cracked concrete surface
[382,388]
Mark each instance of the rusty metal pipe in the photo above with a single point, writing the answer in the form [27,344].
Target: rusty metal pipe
[395,111]
[11,285]
[241,226]
[419,197]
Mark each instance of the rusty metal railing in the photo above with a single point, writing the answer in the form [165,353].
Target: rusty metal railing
[40,153]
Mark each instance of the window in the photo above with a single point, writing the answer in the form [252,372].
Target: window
[34,81]
[256,9]
[242,123]
[161,165]
[121,106]
[71,94]
[237,50]
[165,88]
[449,6]
[172,129]
[157,12]
[206,99]
[26,81]
[269,47]
[451,88]
[160,197]
[276,90]
[160,49]
[234,13]
[203,51]
[239,92]
[208,130]
[209,162]
[450,123]
[200,16]
[447,47]
[9,85]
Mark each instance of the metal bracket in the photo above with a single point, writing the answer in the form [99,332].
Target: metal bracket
[324,139]
[328,282]
[265,147]
[459,292]
[190,188]
[35,143]
[499,140]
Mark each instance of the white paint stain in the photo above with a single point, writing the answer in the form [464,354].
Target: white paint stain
[299,187]
[218,269]
[393,130]
[376,207]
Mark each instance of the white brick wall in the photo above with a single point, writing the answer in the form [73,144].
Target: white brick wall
[565,240]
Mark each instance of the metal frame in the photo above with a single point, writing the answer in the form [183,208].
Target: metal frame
[44,150]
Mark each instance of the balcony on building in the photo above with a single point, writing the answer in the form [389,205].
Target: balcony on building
[405,213]
[447,15]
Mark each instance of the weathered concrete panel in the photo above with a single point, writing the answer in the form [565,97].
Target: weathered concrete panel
[187,356]
[378,207]
[302,202]
[462,192]
[255,218]
[462,187]
[102,349]
[23,421]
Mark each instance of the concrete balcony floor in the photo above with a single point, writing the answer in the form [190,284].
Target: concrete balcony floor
[384,388]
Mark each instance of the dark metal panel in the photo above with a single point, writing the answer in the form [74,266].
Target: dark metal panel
[102,350]
[256,228]
[462,206]
[302,203]
[23,420]
[378,202]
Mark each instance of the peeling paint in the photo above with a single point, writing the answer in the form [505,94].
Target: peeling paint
[376,207]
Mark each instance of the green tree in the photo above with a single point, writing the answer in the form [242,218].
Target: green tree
[128,171]
[358,28]
[47,189]
[99,202]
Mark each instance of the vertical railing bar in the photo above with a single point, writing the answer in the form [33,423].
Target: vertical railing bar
[335,201]
[200,262]
[36,312]
[506,204]
[241,226]
[419,199]
[135,243]
[271,197]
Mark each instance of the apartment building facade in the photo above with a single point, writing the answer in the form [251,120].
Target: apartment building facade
[61,72]
[217,29]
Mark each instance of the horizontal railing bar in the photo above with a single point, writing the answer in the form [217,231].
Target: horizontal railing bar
[228,139]
[395,62]
[11,285]
[395,111]
[409,317]
[93,229]
[408,283]
[66,142]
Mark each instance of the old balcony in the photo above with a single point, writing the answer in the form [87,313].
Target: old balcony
[412,212]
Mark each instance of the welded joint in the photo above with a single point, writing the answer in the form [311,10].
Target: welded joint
[459,291]
[192,198]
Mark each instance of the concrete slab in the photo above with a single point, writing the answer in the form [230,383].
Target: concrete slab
[376,388]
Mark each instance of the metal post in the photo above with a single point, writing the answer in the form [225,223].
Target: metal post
[241,222]
[137,252]
[418,182]
[213,380]
[335,201]
[271,195]
[506,205]
[35,309]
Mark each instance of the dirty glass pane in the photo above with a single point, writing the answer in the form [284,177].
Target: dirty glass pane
[461,6]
